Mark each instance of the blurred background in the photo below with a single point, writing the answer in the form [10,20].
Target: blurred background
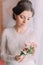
[6,20]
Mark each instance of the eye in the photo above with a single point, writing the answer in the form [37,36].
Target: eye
[21,16]
[28,19]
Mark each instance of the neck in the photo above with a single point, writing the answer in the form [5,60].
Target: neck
[20,29]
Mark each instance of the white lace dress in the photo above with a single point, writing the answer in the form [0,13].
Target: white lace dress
[12,43]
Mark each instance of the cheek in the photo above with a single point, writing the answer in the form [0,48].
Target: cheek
[28,21]
[20,20]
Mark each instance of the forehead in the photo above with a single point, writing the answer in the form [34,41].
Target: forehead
[26,13]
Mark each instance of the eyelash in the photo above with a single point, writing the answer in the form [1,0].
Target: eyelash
[23,17]
[28,19]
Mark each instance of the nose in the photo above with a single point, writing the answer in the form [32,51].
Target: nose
[24,21]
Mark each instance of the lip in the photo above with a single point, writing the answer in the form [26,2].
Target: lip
[22,24]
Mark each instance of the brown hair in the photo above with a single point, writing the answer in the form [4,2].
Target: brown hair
[21,6]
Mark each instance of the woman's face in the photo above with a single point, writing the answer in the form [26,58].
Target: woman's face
[23,18]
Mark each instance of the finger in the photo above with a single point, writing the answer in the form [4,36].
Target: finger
[21,59]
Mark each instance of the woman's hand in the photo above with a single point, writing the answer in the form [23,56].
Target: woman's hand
[19,58]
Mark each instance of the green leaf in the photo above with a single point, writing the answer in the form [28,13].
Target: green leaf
[22,53]
[30,50]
